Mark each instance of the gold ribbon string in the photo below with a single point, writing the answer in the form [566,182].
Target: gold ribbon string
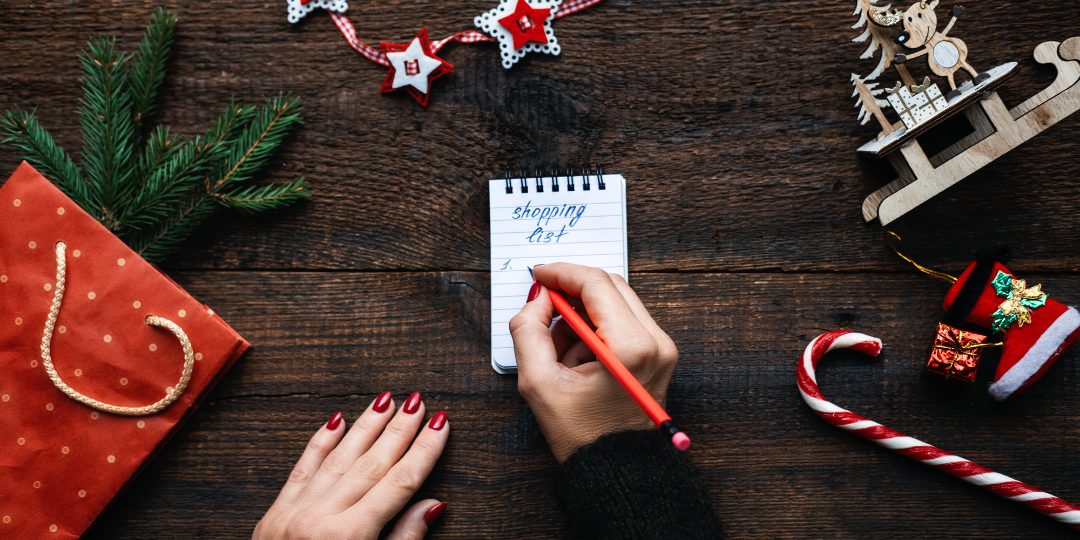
[963,348]
[171,393]
[957,346]
[903,255]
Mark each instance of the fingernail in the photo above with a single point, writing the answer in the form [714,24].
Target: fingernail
[438,421]
[382,402]
[412,404]
[534,291]
[434,513]
[334,421]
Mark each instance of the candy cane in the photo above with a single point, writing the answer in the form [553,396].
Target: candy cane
[972,473]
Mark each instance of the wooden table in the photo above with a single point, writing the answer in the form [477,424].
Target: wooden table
[733,124]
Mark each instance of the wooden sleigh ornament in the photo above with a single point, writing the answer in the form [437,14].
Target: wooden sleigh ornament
[921,105]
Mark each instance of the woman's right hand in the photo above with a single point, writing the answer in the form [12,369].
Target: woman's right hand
[574,398]
[350,485]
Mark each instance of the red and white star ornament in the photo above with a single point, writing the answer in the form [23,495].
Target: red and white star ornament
[521,26]
[298,9]
[413,67]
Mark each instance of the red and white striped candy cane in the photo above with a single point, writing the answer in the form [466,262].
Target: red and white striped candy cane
[972,473]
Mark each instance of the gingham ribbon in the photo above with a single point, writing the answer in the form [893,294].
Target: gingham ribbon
[573,6]
[468,36]
[972,473]
[379,57]
[347,30]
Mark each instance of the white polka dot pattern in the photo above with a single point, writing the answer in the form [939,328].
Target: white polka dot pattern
[298,11]
[65,461]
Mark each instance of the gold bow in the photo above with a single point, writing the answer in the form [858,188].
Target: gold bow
[916,89]
[1020,291]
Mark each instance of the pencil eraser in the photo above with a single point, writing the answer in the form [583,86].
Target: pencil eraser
[681,441]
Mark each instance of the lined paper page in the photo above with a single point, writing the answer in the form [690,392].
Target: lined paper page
[586,227]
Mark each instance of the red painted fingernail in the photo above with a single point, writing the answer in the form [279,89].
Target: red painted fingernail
[434,513]
[534,291]
[438,421]
[412,404]
[334,421]
[382,402]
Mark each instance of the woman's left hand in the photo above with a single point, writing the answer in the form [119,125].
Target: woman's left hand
[351,485]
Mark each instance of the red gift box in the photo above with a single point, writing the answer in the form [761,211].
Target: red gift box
[62,462]
[955,354]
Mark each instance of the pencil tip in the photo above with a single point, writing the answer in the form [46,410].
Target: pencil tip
[530,272]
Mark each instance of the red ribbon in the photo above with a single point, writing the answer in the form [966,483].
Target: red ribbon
[468,36]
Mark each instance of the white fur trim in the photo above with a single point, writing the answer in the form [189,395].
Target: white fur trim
[1036,356]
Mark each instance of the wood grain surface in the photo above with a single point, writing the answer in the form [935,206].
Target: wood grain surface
[732,122]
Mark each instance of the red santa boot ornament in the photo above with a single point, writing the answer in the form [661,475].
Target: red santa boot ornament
[1036,329]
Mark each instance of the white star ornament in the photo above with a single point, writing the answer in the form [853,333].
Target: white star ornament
[412,66]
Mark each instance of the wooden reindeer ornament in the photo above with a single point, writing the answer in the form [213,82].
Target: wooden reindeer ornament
[946,55]
[997,129]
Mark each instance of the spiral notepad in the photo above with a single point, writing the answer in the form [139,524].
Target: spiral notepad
[538,219]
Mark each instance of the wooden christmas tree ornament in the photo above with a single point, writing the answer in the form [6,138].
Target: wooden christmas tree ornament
[921,106]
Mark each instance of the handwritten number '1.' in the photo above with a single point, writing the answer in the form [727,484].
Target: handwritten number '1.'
[506,265]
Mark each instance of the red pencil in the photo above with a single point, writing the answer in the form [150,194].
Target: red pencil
[623,375]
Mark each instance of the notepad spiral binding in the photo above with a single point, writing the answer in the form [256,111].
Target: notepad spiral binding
[586,176]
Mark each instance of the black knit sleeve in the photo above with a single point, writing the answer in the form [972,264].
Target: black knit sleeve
[634,485]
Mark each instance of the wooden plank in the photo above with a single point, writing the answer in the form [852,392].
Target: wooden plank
[732,121]
[332,341]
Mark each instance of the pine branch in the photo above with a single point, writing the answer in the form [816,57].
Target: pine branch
[148,69]
[253,148]
[154,244]
[232,121]
[108,132]
[171,183]
[160,147]
[249,137]
[153,199]
[257,199]
[38,148]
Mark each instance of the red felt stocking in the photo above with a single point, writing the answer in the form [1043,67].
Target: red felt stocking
[1037,329]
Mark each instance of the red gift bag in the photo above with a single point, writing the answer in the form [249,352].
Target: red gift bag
[124,339]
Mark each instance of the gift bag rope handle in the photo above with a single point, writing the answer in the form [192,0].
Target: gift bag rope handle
[171,394]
